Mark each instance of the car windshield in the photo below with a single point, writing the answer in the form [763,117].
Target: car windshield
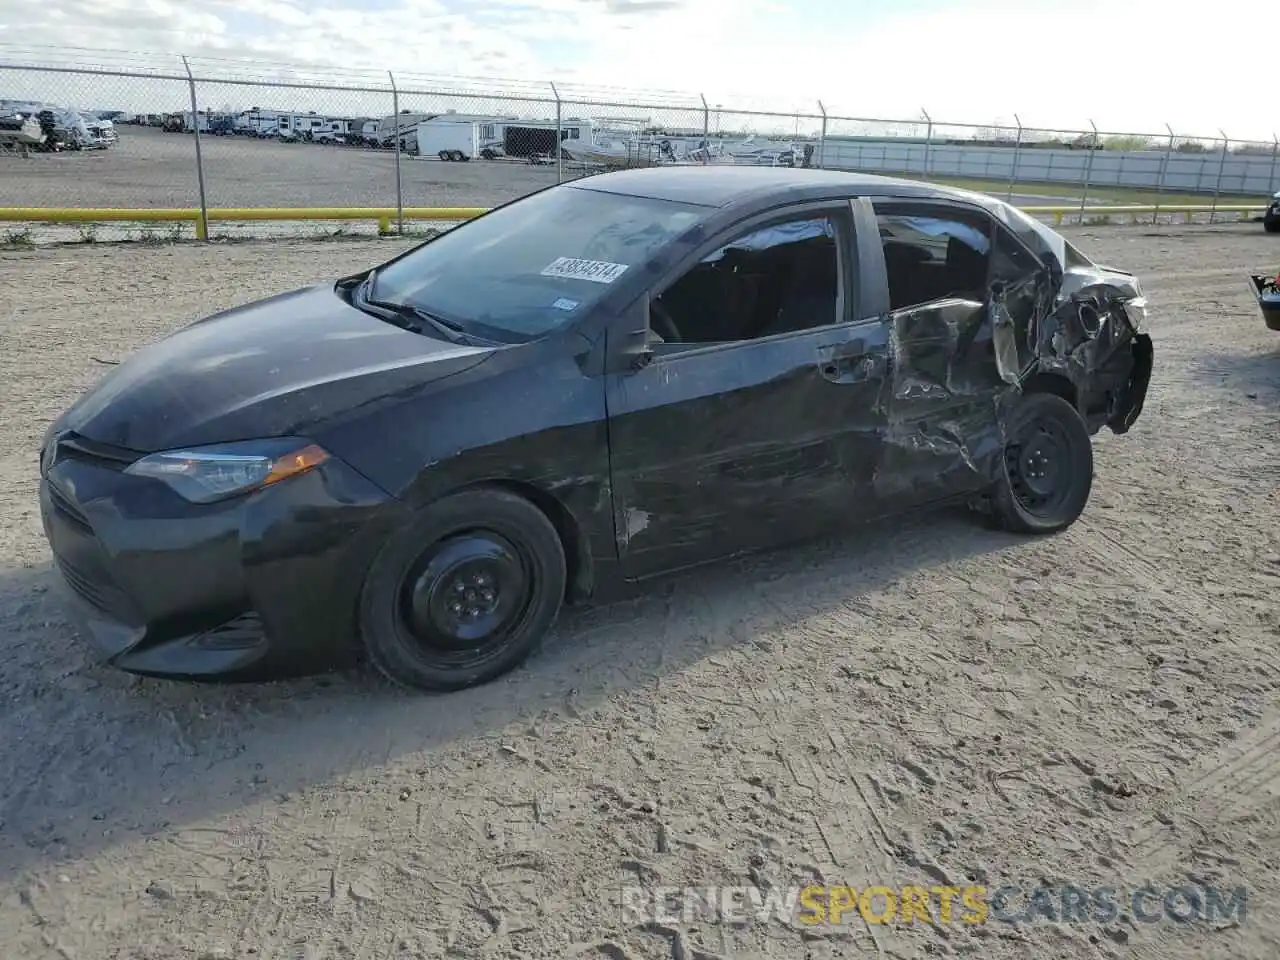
[532,266]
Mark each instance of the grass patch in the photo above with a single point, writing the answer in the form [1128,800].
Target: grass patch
[18,239]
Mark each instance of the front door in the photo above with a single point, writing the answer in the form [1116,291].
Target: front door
[761,402]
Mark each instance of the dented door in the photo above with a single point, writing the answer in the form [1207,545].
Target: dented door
[740,446]
[943,433]
[961,295]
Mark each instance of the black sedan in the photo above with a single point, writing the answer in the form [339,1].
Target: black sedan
[595,384]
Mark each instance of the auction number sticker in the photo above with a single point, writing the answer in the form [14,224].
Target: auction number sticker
[597,271]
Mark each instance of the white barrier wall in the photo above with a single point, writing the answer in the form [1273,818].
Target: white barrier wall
[1241,174]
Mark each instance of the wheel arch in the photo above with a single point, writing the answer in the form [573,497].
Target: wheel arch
[1055,383]
[580,571]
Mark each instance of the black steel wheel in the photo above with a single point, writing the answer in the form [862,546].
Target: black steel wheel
[1046,472]
[465,593]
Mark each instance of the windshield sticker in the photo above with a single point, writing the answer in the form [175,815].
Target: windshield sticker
[566,304]
[597,271]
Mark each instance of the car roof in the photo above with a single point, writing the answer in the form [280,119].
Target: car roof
[723,186]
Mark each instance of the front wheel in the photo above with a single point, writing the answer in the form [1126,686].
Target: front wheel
[1271,226]
[465,593]
[1046,472]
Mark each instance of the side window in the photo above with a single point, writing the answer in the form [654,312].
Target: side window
[1013,264]
[779,279]
[931,256]
[1010,260]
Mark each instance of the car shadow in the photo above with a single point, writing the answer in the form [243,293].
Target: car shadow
[95,757]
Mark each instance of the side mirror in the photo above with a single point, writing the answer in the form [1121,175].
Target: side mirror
[641,357]
[636,350]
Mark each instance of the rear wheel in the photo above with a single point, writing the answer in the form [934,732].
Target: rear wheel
[445,155]
[465,593]
[1046,474]
[1271,226]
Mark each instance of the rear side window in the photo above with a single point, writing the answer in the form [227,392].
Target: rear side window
[1011,261]
[933,256]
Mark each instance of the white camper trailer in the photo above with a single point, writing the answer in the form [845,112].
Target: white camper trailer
[457,137]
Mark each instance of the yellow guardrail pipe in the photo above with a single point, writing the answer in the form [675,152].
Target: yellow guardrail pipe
[148,214]
[384,215]
[1058,212]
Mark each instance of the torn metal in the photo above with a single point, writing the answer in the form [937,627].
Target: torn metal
[1076,328]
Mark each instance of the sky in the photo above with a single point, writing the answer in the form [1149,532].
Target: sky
[1127,66]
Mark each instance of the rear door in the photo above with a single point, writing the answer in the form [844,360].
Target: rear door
[938,265]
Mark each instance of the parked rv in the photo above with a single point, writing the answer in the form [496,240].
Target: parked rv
[403,124]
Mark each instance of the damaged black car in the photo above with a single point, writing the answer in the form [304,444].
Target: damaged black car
[598,383]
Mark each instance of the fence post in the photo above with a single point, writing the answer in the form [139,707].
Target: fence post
[1271,177]
[395,110]
[822,138]
[1017,153]
[928,140]
[1164,171]
[1217,186]
[1088,169]
[559,136]
[706,130]
[202,225]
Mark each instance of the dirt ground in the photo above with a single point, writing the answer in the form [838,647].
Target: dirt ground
[923,704]
[150,168]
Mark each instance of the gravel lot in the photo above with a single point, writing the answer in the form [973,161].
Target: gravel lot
[149,168]
[920,704]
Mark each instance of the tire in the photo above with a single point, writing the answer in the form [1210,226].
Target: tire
[418,624]
[1271,226]
[444,155]
[1024,499]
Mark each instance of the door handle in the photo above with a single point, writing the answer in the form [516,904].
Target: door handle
[854,368]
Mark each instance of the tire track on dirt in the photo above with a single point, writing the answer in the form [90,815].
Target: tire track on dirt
[1236,782]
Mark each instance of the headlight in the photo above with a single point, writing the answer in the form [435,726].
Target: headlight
[207,474]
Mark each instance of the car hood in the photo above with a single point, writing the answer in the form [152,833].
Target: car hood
[270,368]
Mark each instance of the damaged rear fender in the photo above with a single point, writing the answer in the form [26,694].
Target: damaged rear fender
[1094,337]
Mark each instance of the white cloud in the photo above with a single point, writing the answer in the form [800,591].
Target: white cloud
[1131,66]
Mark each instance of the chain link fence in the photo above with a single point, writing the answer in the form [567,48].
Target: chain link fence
[233,136]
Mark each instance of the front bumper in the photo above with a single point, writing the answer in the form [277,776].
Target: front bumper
[258,587]
[1129,403]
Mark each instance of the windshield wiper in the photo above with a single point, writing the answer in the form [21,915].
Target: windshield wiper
[415,318]
[411,317]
